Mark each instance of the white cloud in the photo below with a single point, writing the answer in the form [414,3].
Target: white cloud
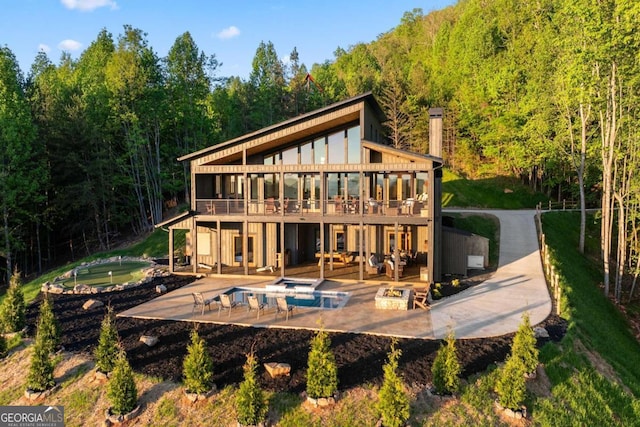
[44,48]
[88,5]
[229,33]
[69,45]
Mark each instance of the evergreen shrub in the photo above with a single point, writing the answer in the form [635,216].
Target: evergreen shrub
[446,368]
[393,401]
[524,345]
[13,309]
[122,392]
[197,367]
[40,375]
[48,328]
[251,403]
[106,351]
[511,384]
[322,371]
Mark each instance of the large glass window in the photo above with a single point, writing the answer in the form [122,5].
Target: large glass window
[353,185]
[306,154]
[393,188]
[353,145]
[291,186]
[271,185]
[334,185]
[290,156]
[335,145]
[271,159]
[422,184]
[319,152]
[253,178]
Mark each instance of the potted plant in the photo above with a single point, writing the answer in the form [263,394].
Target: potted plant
[197,370]
[322,371]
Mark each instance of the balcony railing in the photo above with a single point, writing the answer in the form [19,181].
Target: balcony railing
[336,206]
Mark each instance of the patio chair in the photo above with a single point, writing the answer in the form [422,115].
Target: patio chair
[200,302]
[226,304]
[390,267]
[270,205]
[256,305]
[282,306]
[421,298]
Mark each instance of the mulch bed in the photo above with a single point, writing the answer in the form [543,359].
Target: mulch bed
[359,357]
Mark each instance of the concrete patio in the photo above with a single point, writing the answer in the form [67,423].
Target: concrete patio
[491,308]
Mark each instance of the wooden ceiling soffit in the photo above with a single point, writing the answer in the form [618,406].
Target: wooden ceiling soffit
[402,154]
[282,136]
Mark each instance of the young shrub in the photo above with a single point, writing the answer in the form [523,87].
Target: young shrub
[251,403]
[12,311]
[524,345]
[122,391]
[40,375]
[446,368]
[510,385]
[322,371]
[393,401]
[48,327]
[197,367]
[107,350]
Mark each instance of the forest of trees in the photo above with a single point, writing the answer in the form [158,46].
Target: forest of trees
[545,91]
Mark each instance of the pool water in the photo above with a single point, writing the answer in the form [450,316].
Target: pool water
[309,299]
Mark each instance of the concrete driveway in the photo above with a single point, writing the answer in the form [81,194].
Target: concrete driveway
[495,307]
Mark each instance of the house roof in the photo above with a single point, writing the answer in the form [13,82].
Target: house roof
[175,219]
[367,97]
[400,153]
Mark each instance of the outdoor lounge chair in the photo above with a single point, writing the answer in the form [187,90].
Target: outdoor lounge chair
[200,302]
[256,305]
[283,307]
[226,304]
[421,298]
[390,267]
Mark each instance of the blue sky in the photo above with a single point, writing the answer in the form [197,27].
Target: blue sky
[232,30]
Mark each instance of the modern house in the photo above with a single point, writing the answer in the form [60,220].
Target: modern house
[320,189]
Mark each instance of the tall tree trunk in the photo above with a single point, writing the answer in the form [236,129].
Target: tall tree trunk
[7,241]
[608,129]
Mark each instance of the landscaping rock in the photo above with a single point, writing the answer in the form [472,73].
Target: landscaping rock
[149,340]
[161,289]
[540,332]
[276,369]
[120,419]
[82,289]
[91,304]
[55,288]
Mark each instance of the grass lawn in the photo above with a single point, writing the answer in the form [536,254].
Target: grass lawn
[496,193]
[594,371]
[98,275]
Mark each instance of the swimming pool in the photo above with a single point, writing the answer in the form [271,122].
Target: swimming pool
[308,298]
[297,284]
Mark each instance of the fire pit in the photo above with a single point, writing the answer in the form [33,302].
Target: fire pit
[392,298]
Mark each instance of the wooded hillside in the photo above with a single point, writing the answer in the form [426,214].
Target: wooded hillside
[544,91]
